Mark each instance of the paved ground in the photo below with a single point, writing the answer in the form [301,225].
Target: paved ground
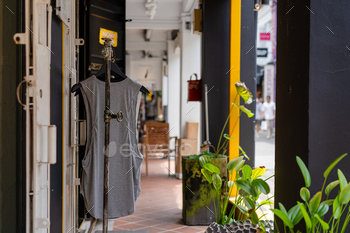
[265,156]
[159,207]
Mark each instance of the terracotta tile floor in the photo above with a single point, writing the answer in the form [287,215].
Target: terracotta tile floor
[159,207]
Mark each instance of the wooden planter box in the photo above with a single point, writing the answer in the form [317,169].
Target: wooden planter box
[197,205]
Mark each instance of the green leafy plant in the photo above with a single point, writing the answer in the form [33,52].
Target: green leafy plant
[249,187]
[221,148]
[314,210]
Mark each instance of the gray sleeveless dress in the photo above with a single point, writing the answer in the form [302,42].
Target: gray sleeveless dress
[124,157]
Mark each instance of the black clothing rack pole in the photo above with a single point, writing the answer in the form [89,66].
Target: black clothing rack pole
[107,53]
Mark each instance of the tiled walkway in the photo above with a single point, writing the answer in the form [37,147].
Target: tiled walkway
[159,207]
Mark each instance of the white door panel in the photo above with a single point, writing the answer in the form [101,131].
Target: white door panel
[40,135]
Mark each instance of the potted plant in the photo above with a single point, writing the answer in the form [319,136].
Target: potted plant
[199,200]
[249,187]
[314,210]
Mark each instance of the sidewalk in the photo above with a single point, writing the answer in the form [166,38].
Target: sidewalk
[159,207]
[265,156]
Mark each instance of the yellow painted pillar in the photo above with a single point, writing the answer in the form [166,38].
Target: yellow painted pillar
[234,75]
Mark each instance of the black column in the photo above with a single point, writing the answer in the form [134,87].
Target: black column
[313,113]
[248,73]
[215,64]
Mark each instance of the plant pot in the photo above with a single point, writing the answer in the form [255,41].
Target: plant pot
[239,227]
[197,205]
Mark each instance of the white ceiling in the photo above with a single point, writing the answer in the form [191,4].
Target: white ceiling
[167,18]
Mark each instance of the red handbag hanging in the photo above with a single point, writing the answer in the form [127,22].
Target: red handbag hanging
[194,89]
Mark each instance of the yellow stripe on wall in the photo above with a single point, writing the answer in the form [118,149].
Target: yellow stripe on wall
[235,54]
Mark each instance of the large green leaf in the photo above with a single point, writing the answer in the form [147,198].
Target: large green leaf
[324,225]
[245,110]
[328,202]
[266,203]
[204,159]
[243,209]
[336,208]
[295,214]
[331,166]
[230,183]
[342,180]
[217,182]
[245,185]
[254,218]
[305,194]
[249,203]
[344,196]
[228,137]
[261,185]
[305,172]
[244,92]
[240,165]
[233,163]
[305,215]
[322,209]
[315,202]
[207,175]
[210,167]
[283,217]
[258,172]
[330,187]
[243,152]
[246,171]
[282,208]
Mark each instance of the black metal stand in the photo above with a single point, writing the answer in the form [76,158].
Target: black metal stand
[108,115]
[107,53]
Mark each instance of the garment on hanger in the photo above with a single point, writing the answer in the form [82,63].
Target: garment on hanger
[124,157]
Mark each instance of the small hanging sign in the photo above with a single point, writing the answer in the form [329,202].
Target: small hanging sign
[194,89]
[104,33]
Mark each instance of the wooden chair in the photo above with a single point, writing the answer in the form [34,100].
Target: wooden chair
[157,141]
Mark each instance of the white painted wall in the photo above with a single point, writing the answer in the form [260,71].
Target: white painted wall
[264,26]
[190,63]
[153,68]
[173,89]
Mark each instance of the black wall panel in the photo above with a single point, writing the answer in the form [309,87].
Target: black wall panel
[56,119]
[215,64]
[313,84]
[248,75]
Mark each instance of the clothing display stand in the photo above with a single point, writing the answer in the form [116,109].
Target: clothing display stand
[108,115]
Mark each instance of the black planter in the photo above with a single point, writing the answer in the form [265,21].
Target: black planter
[198,206]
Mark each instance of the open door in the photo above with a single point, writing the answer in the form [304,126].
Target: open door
[51,191]
[40,134]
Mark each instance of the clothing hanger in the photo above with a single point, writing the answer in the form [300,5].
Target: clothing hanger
[118,76]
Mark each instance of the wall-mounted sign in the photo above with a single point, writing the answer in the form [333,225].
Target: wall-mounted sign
[104,33]
[269,82]
[261,52]
[265,36]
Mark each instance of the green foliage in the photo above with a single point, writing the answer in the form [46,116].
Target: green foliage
[248,184]
[247,96]
[249,187]
[314,210]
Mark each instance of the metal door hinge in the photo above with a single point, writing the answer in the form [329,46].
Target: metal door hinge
[79,41]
